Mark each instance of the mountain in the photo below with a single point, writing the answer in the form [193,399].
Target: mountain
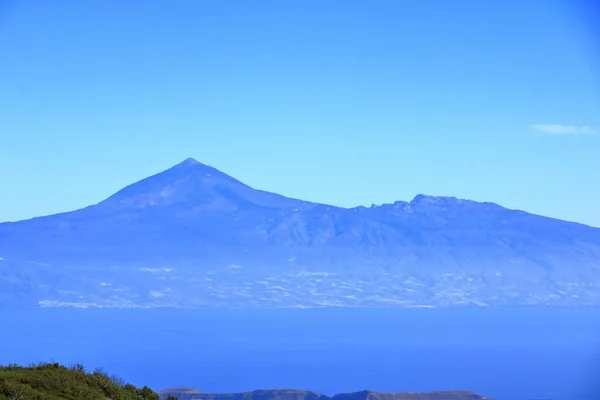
[192,236]
[190,394]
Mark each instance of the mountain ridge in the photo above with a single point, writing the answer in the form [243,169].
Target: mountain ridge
[190,164]
[198,221]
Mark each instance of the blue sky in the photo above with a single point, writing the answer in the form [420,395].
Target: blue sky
[342,102]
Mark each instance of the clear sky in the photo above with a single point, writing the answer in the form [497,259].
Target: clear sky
[342,102]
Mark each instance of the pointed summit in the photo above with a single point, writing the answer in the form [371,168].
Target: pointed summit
[189,161]
[197,186]
[192,166]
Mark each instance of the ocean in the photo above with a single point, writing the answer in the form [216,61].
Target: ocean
[503,353]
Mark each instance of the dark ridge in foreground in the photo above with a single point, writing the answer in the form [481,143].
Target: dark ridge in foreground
[290,394]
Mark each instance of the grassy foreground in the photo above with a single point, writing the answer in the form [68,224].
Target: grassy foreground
[52,381]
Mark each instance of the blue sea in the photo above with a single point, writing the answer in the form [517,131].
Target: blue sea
[506,354]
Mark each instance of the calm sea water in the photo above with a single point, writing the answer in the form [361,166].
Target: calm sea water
[507,354]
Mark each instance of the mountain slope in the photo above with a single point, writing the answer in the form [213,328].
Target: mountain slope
[199,186]
[194,236]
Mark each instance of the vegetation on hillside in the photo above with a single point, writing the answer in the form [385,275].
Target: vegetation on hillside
[52,381]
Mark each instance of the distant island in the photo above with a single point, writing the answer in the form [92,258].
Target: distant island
[192,237]
[290,394]
[52,381]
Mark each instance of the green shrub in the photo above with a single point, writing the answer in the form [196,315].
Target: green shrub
[52,381]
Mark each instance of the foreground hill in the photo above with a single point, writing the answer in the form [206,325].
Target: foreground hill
[190,394]
[56,382]
[193,236]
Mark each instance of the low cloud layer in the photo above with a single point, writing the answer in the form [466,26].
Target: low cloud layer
[557,129]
